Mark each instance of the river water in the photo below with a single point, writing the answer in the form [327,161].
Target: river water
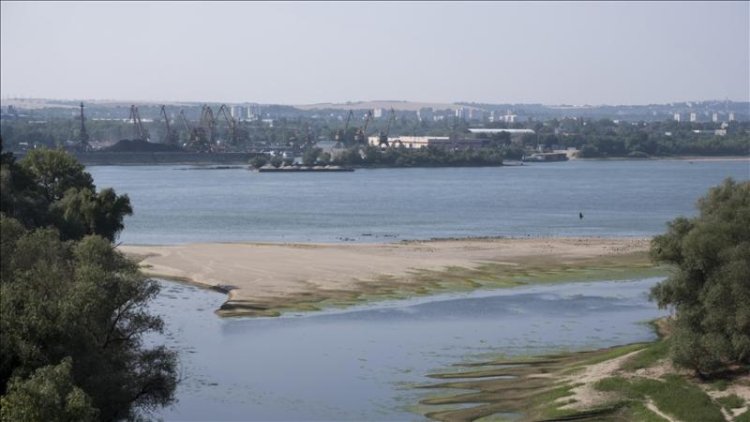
[361,362]
[617,198]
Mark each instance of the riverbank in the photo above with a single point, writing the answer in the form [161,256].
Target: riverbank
[266,279]
[635,382]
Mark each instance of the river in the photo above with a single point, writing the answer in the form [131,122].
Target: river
[178,204]
[360,363]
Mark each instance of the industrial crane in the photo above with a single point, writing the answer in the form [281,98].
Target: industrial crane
[198,140]
[171,137]
[208,122]
[340,135]
[139,130]
[230,122]
[384,135]
[361,136]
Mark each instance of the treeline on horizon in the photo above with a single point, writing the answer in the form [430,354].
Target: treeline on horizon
[594,138]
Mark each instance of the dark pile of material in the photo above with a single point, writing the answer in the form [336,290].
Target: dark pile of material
[140,145]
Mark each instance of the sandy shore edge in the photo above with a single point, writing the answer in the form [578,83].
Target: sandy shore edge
[264,279]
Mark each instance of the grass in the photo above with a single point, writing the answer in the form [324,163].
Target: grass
[535,390]
[732,401]
[673,395]
[650,355]
[745,417]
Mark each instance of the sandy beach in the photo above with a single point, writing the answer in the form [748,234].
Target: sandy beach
[267,278]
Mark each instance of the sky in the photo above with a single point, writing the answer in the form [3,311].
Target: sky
[306,52]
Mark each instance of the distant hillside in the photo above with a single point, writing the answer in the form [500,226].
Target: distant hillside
[385,104]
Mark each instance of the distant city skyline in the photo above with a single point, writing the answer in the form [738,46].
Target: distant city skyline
[436,52]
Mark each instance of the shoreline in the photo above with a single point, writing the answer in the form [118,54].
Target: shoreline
[266,279]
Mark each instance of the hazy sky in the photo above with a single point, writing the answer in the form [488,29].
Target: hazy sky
[299,53]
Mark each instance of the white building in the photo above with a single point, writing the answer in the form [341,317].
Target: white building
[511,131]
[693,117]
[715,118]
[677,117]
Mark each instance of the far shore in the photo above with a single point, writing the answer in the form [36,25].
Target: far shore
[266,279]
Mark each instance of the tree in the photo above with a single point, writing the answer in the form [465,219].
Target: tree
[72,308]
[86,301]
[48,395]
[710,287]
[277,161]
[259,161]
[55,172]
[51,187]
[310,157]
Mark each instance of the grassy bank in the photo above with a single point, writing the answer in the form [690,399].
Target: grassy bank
[628,383]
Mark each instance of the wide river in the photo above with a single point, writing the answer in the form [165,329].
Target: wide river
[617,198]
[360,363]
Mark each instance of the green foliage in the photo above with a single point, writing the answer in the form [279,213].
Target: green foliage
[732,401]
[421,157]
[653,353]
[277,161]
[259,161]
[55,172]
[48,395]
[84,300]
[710,289]
[72,308]
[310,157]
[49,187]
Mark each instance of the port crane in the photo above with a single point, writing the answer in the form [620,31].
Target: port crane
[230,122]
[341,134]
[198,140]
[139,130]
[384,135]
[208,121]
[361,136]
[171,137]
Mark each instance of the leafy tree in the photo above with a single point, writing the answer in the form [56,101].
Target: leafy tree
[72,308]
[51,187]
[86,301]
[710,288]
[55,172]
[310,157]
[259,161]
[277,161]
[48,395]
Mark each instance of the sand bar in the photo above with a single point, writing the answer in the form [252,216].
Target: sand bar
[264,278]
